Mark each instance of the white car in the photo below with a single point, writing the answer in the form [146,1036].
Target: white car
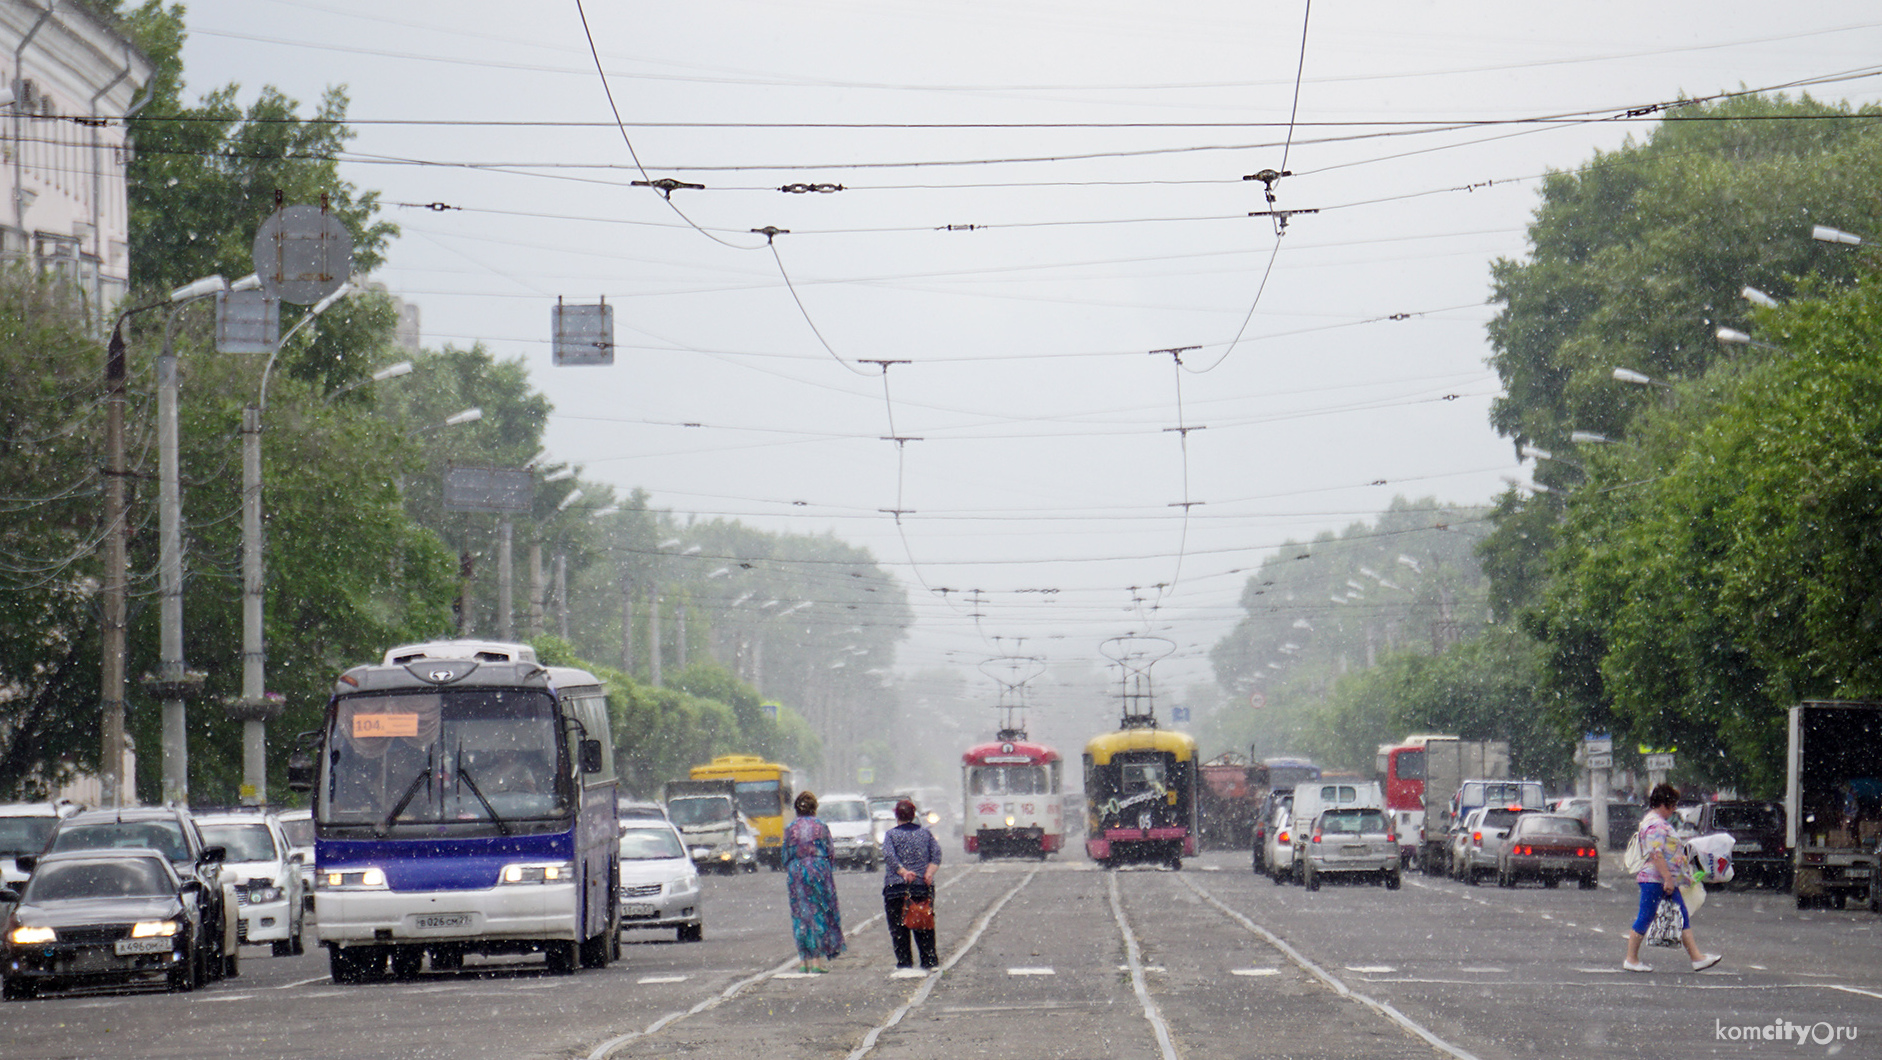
[259,864]
[852,832]
[298,826]
[1277,847]
[659,883]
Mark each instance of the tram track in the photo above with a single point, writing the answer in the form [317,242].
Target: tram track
[1333,982]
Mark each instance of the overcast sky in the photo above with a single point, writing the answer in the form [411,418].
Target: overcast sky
[1098,150]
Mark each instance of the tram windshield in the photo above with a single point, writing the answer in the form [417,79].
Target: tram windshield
[1134,777]
[482,758]
[1009,780]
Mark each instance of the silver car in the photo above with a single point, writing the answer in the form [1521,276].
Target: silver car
[659,883]
[1481,841]
[1351,841]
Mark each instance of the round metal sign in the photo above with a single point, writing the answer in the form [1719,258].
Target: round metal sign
[303,254]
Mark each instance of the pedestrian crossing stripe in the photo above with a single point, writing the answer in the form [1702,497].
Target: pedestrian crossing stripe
[1031,971]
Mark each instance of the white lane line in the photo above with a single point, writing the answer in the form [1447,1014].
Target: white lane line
[922,992]
[1031,971]
[1254,971]
[1851,990]
[1135,957]
[304,982]
[1486,969]
[1371,969]
[222,997]
[1383,1008]
[663,979]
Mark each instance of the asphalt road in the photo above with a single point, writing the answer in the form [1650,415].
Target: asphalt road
[1061,960]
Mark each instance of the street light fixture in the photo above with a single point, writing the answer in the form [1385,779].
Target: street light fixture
[390,371]
[1734,337]
[1826,234]
[1757,297]
[1589,438]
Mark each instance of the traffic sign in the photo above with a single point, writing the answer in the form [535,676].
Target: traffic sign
[1659,763]
[1599,745]
[584,334]
[1179,714]
[302,254]
[1601,761]
[1257,700]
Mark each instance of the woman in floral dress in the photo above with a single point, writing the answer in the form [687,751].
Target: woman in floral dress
[816,922]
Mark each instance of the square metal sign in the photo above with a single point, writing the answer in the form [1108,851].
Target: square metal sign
[488,489]
[247,322]
[584,334]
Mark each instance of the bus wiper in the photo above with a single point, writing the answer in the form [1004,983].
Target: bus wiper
[503,826]
[405,800]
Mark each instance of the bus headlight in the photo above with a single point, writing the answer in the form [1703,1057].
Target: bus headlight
[371,879]
[551,872]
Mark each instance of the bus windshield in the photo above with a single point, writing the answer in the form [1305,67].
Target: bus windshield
[476,759]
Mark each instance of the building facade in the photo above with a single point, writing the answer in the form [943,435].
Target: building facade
[73,78]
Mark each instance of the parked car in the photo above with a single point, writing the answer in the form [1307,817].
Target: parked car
[261,865]
[1481,840]
[1759,853]
[659,883]
[1549,847]
[852,839]
[173,833]
[113,915]
[298,826]
[1352,841]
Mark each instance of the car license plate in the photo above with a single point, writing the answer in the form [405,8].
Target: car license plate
[1857,874]
[127,947]
[441,921]
[637,909]
[1747,848]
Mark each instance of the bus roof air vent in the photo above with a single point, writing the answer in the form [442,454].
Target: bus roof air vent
[441,671]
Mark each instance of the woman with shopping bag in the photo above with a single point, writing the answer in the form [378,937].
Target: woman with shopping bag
[1664,868]
[910,859]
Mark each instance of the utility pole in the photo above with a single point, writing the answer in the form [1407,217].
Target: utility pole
[506,538]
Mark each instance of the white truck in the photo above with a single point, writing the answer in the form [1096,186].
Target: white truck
[1833,800]
[706,813]
[1449,762]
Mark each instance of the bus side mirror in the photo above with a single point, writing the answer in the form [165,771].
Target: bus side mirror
[591,756]
[301,762]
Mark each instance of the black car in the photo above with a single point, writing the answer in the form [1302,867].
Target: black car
[1759,853]
[172,833]
[104,916]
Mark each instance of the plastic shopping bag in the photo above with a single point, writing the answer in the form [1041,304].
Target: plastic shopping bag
[1712,857]
[1665,930]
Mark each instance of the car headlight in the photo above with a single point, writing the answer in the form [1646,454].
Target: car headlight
[32,936]
[372,879]
[683,884]
[700,852]
[552,872]
[933,817]
[153,929]
[263,892]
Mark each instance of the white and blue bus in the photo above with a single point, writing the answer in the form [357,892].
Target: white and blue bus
[464,803]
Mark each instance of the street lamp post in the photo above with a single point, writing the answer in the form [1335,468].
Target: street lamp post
[254,709]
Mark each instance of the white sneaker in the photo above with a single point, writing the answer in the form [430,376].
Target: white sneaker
[1637,966]
[1706,961]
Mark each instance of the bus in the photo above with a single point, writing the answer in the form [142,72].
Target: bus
[464,803]
[763,791]
[1013,800]
[1140,796]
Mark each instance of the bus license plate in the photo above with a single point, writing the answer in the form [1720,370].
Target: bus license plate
[127,947]
[441,921]
[637,909]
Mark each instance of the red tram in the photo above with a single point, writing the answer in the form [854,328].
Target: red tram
[1014,799]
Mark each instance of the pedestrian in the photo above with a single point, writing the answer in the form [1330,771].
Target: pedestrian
[816,922]
[910,858]
[1666,870]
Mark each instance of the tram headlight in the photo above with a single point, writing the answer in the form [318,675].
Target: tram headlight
[1010,820]
[545,872]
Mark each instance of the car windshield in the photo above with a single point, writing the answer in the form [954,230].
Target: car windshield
[650,844]
[476,759]
[164,837]
[700,809]
[844,810]
[127,878]
[1748,818]
[25,835]
[1354,822]
[300,831]
[247,841]
[1552,826]
[1498,818]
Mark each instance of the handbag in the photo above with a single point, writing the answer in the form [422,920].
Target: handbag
[918,913]
[1632,859]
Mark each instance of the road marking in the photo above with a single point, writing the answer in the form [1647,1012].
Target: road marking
[1135,957]
[1853,990]
[304,982]
[1486,969]
[663,979]
[1371,969]
[795,975]
[1601,971]
[1254,971]
[909,973]
[223,997]
[1031,971]
[922,992]
[1158,968]
[1300,960]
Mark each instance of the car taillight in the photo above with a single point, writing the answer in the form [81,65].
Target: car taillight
[1586,852]
[1477,838]
[1283,837]
[1316,837]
